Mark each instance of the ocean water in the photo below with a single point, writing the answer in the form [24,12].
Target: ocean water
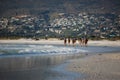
[42,62]
[14,49]
[33,49]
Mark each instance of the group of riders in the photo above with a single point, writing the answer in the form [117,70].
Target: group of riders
[81,41]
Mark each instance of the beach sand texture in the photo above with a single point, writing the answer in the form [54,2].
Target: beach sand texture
[97,67]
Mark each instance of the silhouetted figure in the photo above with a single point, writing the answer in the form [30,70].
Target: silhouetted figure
[69,41]
[65,41]
[73,41]
[85,41]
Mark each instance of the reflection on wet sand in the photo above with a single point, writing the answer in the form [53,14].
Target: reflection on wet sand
[32,62]
[31,67]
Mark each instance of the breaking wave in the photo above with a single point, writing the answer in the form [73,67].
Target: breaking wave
[39,49]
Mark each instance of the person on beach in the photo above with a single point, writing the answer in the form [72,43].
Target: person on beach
[69,40]
[80,41]
[73,41]
[85,41]
[65,41]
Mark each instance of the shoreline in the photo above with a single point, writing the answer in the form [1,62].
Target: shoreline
[60,42]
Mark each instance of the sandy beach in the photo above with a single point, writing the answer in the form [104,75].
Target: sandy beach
[31,41]
[98,66]
[57,41]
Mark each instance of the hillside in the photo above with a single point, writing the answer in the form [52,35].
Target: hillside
[36,7]
[60,18]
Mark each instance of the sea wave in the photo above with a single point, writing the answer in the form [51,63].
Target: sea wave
[40,49]
[50,49]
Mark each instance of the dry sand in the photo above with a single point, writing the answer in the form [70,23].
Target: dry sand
[31,41]
[56,41]
[97,67]
[104,43]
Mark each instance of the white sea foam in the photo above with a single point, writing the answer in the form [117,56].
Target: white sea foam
[49,49]
[41,49]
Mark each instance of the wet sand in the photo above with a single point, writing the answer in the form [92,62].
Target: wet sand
[39,67]
[61,67]
[97,67]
